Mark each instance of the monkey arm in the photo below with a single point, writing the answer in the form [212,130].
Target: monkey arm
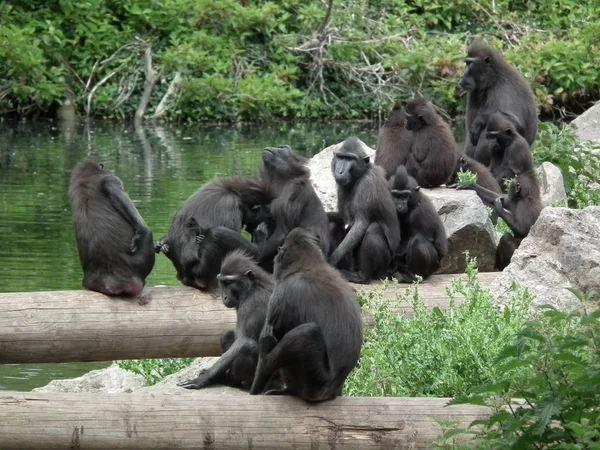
[269,249]
[217,370]
[352,239]
[488,197]
[123,205]
[511,221]
[477,126]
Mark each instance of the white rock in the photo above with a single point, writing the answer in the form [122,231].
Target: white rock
[552,186]
[587,125]
[322,178]
[468,228]
[561,251]
[111,380]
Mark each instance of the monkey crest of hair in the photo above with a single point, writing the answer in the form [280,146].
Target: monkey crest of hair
[240,261]
[299,252]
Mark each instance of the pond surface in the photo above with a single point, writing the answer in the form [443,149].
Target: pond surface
[159,166]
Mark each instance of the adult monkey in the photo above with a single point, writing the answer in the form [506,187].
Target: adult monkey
[246,288]
[114,244]
[313,331]
[220,202]
[433,152]
[394,142]
[423,241]
[493,85]
[366,205]
[296,204]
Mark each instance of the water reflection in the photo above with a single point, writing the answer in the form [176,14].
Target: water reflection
[159,166]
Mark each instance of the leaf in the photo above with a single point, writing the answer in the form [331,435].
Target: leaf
[514,364]
[546,410]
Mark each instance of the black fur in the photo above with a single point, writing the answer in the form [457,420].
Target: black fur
[115,246]
[423,241]
[247,288]
[510,152]
[433,152]
[493,85]
[223,202]
[366,206]
[296,204]
[394,142]
[313,331]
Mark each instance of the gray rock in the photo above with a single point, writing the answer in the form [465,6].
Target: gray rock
[111,380]
[552,187]
[468,228]
[169,384]
[561,251]
[322,178]
[587,125]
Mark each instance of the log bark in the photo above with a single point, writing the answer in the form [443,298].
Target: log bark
[194,421]
[66,326]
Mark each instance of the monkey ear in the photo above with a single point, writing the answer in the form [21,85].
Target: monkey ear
[487,59]
[101,165]
[508,131]
[250,275]
[192,223]
[517,188]
[366,159]
[417,189]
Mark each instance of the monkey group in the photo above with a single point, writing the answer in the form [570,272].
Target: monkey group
[299,328]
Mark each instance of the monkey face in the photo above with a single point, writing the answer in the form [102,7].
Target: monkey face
[347,168]
[233,287]
[477,74]
[280,163]
[405,200]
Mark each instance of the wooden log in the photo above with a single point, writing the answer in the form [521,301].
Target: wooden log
[195,421]
[65,326]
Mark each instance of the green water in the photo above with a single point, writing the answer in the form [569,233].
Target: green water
[159,166]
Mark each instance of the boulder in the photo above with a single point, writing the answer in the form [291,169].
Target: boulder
[169,384]
[561,251]
[587,125]
[467,224]
[322,178]
[552,186]
[468,228]
[111,380]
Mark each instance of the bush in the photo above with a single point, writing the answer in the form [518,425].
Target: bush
[553,367]
[155,370]
[437,353]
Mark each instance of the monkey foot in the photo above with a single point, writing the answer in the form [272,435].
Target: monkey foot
[284,391]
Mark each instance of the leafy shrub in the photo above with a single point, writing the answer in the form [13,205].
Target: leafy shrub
[553,368]
[436,353]
[154,370]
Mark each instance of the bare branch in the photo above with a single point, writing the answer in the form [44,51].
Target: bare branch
[149,83]
[173,89]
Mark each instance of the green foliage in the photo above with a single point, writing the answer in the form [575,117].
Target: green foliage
[154,370]
[549,393]
[578,162]
[466,177]
[261,60]
[436,353]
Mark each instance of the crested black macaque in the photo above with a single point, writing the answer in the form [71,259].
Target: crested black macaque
[394,142]
[246,288]
[493,85]
[367,208]
[296,204]
[520,209]
[423,241]
[222,202]
[313,331]
[211,246]
[433,153]
[114,243]
[510,152]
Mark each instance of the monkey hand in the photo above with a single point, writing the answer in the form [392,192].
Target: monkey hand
[475,129]
[499,204]
[202,381]
[267,341]
[134,243]
[463,186]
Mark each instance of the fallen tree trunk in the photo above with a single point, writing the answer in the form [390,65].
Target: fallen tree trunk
[194,421]
[65,326]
